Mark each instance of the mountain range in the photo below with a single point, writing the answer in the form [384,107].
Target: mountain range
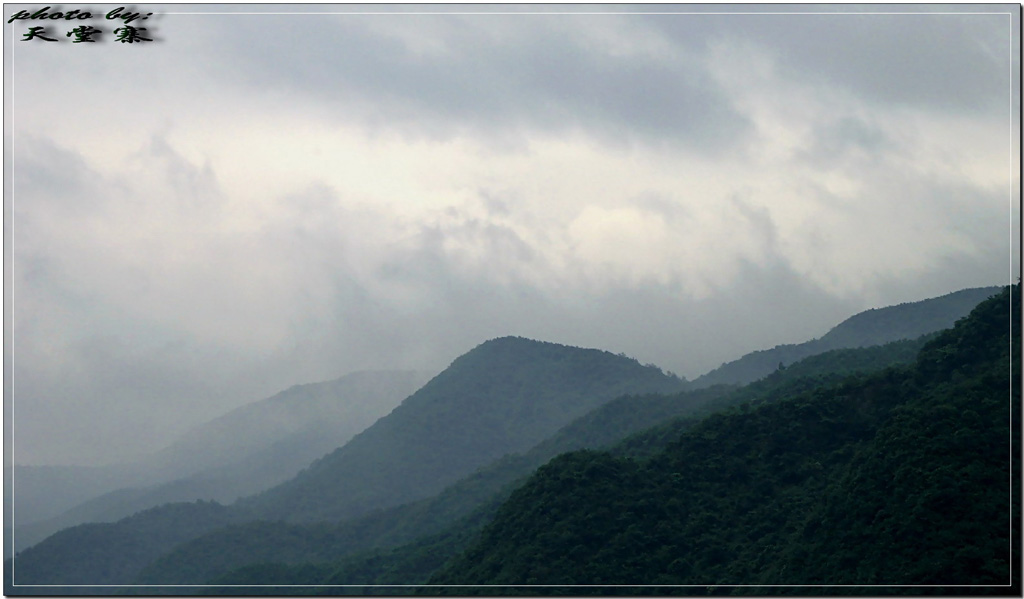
[900,477]
[428,484]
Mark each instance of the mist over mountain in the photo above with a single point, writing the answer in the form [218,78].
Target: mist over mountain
[41,492]
[486,402]
[326,414]
[392,545]
[369,550]
[111,553]
[469,497]
[247,198]
[505,395]
[242,452]
[871,327]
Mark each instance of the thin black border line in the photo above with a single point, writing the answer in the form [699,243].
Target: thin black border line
[8,274]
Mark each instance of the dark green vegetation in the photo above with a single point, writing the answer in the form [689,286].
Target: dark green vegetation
[872,327]
[899,477]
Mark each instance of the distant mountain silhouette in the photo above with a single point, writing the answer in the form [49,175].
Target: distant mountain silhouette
[871,327]
[245,451]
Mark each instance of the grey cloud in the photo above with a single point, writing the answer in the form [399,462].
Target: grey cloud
[90,378]
[126,384]
[845,138]
[494,203]
[496,240]
[497,250]
[962,270]
[982,219]
[60,176]
[759,219]
[690,337]
[933,61]
[956,234]
[194,187]
[954,62]
[536,78]
[672,211]
[653,323]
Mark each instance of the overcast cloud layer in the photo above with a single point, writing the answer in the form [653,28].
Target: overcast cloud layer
[257,200]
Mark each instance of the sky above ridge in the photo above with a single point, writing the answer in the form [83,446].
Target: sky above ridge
[254,200]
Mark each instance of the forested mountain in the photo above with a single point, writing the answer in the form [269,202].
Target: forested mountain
[218,551]
[504,396]
[725,481]
[242,452]
[899,478]
[872,327]
[446,523]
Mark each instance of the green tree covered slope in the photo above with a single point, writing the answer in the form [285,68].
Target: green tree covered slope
[440,527]
[437,527]
[898,478]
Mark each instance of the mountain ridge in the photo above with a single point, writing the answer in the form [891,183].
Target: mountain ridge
[874,326]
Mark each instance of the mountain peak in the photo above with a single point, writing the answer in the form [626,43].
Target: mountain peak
[514,343]
[517,341]
[505,395]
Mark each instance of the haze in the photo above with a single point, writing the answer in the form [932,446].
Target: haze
[256,200]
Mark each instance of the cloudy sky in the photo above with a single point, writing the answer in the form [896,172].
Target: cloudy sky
[255,200]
